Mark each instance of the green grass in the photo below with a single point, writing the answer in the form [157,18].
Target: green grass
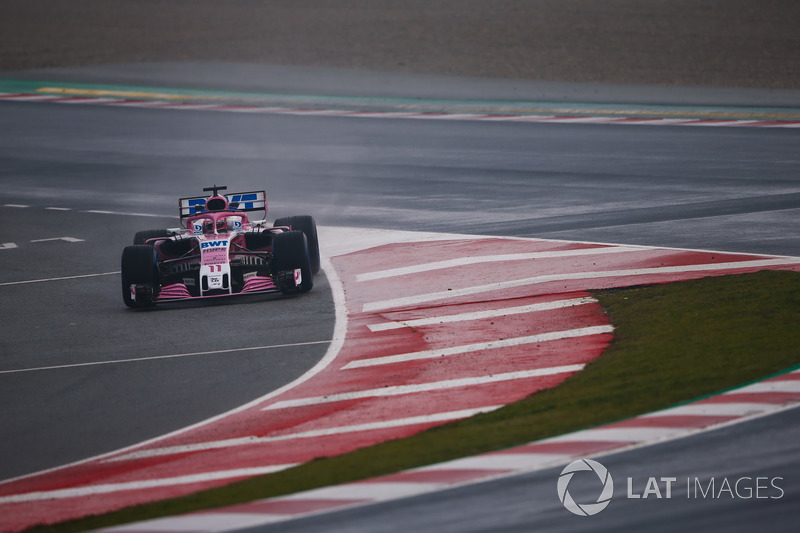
[673,343]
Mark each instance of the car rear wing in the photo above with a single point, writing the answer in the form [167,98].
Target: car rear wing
[240,201]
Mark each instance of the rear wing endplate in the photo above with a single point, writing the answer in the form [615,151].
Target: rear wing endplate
[240,201]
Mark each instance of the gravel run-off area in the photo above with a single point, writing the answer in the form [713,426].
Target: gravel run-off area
[704,43]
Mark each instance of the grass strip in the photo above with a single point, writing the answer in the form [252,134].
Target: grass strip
[673,343]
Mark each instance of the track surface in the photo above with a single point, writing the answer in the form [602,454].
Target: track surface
[728,189]
[529,502]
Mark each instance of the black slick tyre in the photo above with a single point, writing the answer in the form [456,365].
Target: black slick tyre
[290,252]
[138,268]
[308,226]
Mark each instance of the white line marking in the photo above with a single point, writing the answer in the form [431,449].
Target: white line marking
[102,212]
[423,298]
[325,432]
[452,263]
[108,488]
[158,357]
[205,522]
[480,315]
[20,206]
[67,239]
[397,390]
[714,409]
[478,347]
[58,208]
[58,279]
[770,386]
[618,435]
[8,246]
[500,461]
[373,491]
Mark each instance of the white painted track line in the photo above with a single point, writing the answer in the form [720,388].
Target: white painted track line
[368,491]
[108,488]
[772,386]
[501,461]
[252,440]
[159,357]
[424,387]
[632,434]
[42,280]
[468,291]
[477,347]
[474,260]
[715,409]
[479,315]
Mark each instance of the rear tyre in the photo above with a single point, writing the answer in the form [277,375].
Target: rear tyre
[138,268]
[308,226]
[289,253]
[142,236]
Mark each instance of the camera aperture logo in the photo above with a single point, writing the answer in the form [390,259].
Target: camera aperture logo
[589,466]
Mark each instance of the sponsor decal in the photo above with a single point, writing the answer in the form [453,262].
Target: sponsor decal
[214,252]
[214,244]
[243,201]
[196,205]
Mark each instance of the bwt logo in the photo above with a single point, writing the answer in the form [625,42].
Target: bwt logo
[598,470]
[213,244]
[235,201]
[244,201]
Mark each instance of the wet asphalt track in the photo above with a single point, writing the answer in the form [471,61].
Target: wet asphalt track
[721,188]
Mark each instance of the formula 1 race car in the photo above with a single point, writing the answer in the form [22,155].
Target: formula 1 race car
[218,251]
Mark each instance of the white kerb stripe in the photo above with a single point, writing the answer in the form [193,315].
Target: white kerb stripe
[480,315]
[206,522]
[502,461]
[478,347]
[366,491]
[244,441]
[108,488]
[424,387]
[618,435]
[714,409]
[455,293]
[770,386]
[472,260]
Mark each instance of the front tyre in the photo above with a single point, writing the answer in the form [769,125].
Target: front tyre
[289,253]
[138,270]
[308,226]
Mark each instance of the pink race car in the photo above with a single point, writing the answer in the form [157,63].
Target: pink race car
[219,251]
